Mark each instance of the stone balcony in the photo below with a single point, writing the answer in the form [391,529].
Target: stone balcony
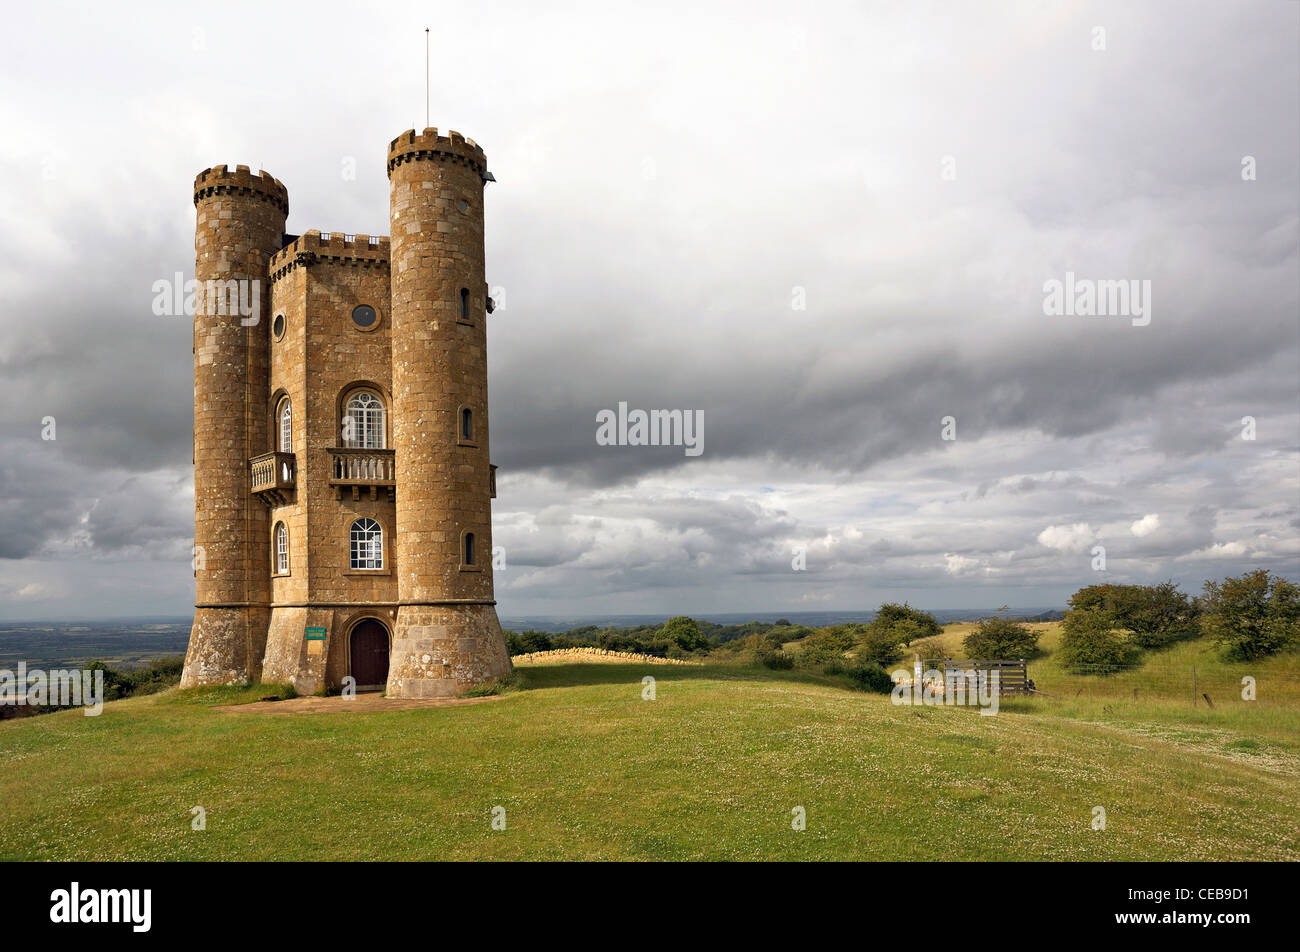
[356,470]
[273,477]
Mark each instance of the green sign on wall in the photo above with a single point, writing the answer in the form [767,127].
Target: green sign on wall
[315,634]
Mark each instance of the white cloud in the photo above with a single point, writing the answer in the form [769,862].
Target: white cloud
[1219,550]
[1146,525]
[959,564]
[1073,538]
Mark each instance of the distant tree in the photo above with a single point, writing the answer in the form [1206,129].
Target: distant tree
[1001,638]
[1159,615]
[1253,616]
[1091,638]
[526,642]
[685,633]
[893,627]
[1119,599]
[891,614]
[782,622]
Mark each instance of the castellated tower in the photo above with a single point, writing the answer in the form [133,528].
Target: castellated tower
[447,629]
[342,479]
[240,226]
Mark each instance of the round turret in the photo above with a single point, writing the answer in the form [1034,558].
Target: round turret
[447,636]
[240,225]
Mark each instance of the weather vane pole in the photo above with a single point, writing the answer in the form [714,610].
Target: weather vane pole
[426,77]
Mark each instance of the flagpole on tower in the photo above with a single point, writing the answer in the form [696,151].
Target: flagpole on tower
[426,77]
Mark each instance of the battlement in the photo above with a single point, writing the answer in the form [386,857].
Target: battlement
[219,180]
[410,147]
[335,246]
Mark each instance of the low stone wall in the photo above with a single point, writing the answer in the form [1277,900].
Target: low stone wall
[593,655]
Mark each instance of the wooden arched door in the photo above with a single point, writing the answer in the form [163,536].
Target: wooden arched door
[369,646]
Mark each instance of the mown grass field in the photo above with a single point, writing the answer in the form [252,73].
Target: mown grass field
[711,769]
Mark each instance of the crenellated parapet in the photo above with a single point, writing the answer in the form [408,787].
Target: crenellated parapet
[219,180]
[366,251]
[429,146]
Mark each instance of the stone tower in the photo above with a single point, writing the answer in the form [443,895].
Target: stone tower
[447,629]
[343,483]
[240,225]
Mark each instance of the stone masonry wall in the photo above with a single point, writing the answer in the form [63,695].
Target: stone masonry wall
[240,225]
[446,625]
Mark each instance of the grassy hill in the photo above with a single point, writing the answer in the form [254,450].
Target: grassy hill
[712,769]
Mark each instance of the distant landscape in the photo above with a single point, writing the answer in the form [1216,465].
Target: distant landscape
[128,644]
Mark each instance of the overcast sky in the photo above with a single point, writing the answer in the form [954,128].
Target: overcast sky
[673,182]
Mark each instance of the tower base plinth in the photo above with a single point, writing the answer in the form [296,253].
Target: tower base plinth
[226,647]
[444,650]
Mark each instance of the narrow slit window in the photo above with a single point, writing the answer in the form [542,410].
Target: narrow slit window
[466,424]
[464,304]
[469,548]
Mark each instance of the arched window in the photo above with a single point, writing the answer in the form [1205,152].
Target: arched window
[285,417]
[281,549]
[367,544]
[466,423]
[469,548]
[464,304]
[363,421]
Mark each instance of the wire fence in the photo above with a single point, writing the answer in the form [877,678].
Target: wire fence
[1209,686]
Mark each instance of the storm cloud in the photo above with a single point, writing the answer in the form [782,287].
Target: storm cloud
[829,231]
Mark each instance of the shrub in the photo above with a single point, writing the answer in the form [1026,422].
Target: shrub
[777,660]
[1253,616]
[931,648]
[828,645]
[1001,638]
[1091,639]
[154,677]
[870,677]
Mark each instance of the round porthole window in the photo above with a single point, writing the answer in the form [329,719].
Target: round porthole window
[364,316]
[277,326]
